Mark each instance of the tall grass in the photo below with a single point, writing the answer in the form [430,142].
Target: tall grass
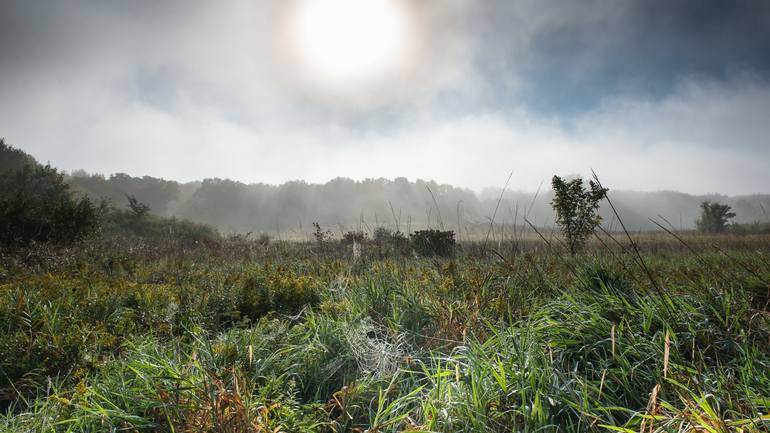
[288,337]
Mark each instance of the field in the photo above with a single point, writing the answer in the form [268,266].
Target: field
[662,334]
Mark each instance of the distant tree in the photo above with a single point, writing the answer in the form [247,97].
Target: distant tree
[157,193]
[137,208]
[79,173]
[713,217]
[576,209]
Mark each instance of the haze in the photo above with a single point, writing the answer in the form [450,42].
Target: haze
[652,95]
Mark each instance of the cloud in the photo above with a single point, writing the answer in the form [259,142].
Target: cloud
[189,89]
[702,138]
[567,57]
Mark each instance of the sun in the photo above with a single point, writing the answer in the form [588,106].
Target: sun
[349,40]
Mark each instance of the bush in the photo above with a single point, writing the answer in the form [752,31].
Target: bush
[321,236]
[390,242]
[37,206]
[433,242]
[354,236]
[713,217]
[576,208]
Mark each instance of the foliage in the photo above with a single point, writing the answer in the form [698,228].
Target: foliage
[576,209]
[350,237]
[12,159]
[278,290]
[433,242]
[126,335]
[37,206]
[137,208]
[123,223]
[713,217]
[755,228]
[320,235]
[238,207]
[390,243]
[137,221]
[159,194]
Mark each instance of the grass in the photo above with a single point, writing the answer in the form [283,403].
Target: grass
[237,336]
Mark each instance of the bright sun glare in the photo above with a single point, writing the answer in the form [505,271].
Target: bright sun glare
[350,39]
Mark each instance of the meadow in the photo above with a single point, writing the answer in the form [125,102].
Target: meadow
[670,332]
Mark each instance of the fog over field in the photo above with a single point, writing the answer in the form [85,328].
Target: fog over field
[343,204]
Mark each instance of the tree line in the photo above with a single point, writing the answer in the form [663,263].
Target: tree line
[37,205]
[343,204]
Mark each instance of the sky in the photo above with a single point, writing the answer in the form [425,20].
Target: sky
[651,95]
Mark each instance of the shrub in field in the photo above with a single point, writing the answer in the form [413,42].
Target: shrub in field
[576,209]
[320,235]
[389,242]
[433,242]
[354,236]
[713,217]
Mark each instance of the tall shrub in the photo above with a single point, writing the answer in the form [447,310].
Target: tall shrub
[576,209]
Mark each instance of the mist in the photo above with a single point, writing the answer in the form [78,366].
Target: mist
[344,204]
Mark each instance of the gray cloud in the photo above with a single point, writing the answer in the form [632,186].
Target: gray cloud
[653,95]
[569,56]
